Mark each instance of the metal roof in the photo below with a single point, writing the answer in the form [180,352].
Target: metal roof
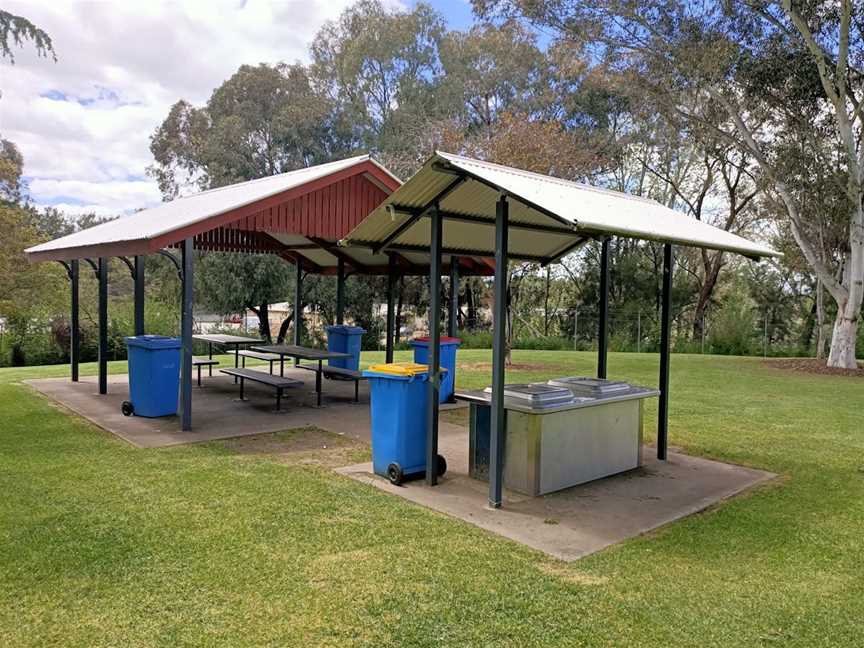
[548,216]
[151,229]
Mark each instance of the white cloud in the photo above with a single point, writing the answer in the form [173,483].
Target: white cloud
[83,124]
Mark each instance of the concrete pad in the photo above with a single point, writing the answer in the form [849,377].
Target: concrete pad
[566,525]
[216,411]
[578,521]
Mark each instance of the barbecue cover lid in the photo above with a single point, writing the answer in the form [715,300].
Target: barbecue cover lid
[590,386]
[537,394]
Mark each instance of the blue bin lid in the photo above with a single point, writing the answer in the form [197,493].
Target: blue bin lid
[154,341]
[345,329]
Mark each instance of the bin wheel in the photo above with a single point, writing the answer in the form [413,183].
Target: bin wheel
[127,408]
[394,474]
[442,465]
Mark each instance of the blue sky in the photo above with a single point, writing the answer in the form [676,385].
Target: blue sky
[83,123]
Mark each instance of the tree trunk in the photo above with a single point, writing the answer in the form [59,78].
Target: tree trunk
[264,321]
[712,265]
[843,342]
[470,307]
[820,321]
[397,322]
[283,329]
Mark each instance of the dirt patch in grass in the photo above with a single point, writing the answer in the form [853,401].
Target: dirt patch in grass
[813,366]
[308,446]
[571,574]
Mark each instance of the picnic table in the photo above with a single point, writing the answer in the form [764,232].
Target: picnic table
[226,341]
[302,353]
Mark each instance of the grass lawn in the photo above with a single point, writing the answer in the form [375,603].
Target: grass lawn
[102,544]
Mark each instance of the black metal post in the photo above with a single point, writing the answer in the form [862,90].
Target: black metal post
[74,326]
[434,345]
[498,420]
[186,336]
[453,327]
[102,273]
[603,333]
[298,309]
[665,348]
[139,295]
[391,309]
[340,290]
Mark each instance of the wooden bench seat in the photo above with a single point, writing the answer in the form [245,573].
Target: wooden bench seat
[257,355]
[339,373]
[204,362]
[277,382]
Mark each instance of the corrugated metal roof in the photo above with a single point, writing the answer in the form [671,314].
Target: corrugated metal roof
[547,215]
[127,234]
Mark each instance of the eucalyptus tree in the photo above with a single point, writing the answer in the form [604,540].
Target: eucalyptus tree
[777,70]
[381,68]
[263,120]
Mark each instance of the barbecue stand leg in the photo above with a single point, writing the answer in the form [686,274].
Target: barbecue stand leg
[209,357]
[278,399]
[356,391]
[199,375]
[318,383]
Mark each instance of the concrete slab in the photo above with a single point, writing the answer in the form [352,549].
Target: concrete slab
[567,525]
[216,411]
[578,521]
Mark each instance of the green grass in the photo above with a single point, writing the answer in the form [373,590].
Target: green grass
[102,544]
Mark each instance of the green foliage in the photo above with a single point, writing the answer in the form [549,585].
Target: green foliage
[734,327]
[381,68]
[16,30]
[231,283]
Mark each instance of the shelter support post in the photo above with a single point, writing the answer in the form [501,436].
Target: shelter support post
[498,419]
[186,337]
[391,309]
[665,348]
[138,272]
[603,333]
[453,327]
[340,291]
[298,310]
[74,324]
[434,345]
[102,273]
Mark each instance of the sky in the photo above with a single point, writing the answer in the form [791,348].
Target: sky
[83,123]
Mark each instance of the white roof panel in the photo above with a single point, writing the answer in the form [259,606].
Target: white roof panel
[563,211]
[171,216]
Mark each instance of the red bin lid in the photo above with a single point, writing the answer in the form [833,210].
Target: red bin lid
[443,338]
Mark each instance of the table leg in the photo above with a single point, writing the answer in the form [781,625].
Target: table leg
[318,383]
[236,359]
[281,366]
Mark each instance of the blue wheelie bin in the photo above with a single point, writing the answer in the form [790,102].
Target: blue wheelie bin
[345,339]
[399,397]
[449,346]
[154,375]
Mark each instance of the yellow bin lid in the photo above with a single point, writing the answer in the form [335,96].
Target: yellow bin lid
[400,368]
